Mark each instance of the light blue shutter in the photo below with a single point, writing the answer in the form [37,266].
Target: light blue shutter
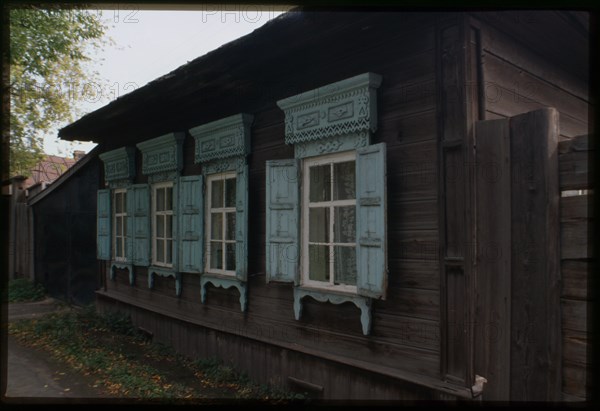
[241,223]
[191,224]
[141,224]
[103,225]
[282,215]
[175,226]
[129,225]
[371,250]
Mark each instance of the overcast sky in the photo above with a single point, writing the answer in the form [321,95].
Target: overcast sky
[151,43]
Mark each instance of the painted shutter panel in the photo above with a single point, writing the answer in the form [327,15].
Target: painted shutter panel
[175,227]
[141,224]
[282,215]
[241,223]
[129,226]
[103,224]
[191,217]
[371,204]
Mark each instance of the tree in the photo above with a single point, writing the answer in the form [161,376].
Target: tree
[48,51]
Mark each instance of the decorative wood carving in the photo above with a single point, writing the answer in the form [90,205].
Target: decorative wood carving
[164,272]
[225,138]
[363,303]
[346,107]
[224,283]
[162,155]
[122,266]
[119,166]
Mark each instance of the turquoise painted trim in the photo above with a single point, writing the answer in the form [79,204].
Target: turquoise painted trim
[371,221]
[164,272]
[333,144]
[228,137]
[122,266]
[119,166]
[344,107]
[363,303]
[103,225]
[191,221]
[139,210]
[241,223]
[283,220]
[224,282]
[221,166]
[162,154]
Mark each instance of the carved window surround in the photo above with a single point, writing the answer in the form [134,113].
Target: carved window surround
[162,157]
[162,160]
[225,138]
[336,117]
[222,146]
[224,282]
[119,166]
[122,266]
[164,272]
[363,303]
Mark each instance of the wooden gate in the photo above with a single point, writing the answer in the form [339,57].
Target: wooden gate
[531,330]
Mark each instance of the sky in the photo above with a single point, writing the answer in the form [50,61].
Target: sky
[148,44]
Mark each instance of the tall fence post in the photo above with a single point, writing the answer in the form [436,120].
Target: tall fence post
[535,366]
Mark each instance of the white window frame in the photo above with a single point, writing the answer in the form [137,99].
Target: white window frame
[208,218]
[306,205]
[155,188]
[123,215]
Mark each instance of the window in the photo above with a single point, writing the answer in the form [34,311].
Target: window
[326,207]
[329,222]
[162,233]
[120,224]
[221,216]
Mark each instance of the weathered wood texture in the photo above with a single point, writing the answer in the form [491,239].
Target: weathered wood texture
[576,266]
[404,342]
[493,297]
[249,350]
[519,78]
[65,237]
[535,265]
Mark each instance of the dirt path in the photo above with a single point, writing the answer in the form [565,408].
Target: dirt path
[32,375]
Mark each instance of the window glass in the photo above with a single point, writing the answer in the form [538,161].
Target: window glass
[330,232]
[217,194]
[320,183]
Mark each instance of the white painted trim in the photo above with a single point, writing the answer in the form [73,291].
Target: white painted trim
[123,215]
[307,205]
[156,187]
[208,219]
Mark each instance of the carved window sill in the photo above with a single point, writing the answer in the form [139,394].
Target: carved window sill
[363,303]
[122,265]
[164,272]
[223,282]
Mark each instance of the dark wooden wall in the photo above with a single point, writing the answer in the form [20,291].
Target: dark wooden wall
[65,237]
[497,77]
[519,77]
[405,336]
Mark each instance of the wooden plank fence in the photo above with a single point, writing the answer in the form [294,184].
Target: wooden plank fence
[575,253]
[534,259]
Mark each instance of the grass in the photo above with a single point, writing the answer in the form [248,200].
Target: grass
[23,290]
[122,362]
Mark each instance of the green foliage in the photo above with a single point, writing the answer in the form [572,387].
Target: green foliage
[23,290]
[48,51]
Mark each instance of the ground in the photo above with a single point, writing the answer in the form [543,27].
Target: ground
[35,375]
